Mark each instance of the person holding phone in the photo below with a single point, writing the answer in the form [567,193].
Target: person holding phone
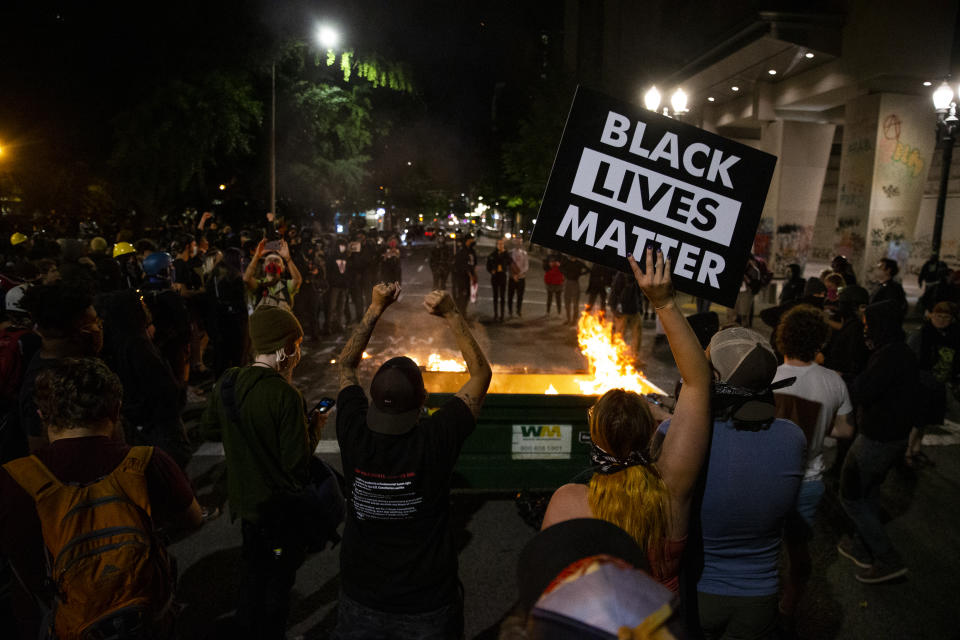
[272,290]
[268,441]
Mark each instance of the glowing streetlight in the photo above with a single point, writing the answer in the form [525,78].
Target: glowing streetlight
[651,99]
[679,101]
[948,125]
[942,97]
[328,37]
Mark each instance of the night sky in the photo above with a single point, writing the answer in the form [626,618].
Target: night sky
[70,67]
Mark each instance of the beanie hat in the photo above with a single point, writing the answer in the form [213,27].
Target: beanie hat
[271,328]
[743,358]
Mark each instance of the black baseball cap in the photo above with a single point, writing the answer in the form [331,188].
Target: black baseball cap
[398,394]
[558,546]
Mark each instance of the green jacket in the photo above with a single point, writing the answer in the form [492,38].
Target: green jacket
[271,453]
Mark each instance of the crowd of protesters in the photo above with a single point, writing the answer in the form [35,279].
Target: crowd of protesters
[687,510]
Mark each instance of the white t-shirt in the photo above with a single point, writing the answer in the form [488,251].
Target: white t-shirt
[826,388]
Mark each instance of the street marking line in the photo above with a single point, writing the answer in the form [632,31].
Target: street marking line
[210,449]
[215,449]
[327,446]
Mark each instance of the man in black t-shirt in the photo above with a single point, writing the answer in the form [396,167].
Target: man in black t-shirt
[398,563]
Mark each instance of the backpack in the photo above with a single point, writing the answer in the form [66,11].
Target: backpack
[307,518]
[11,362]
[112,577]
[273,296]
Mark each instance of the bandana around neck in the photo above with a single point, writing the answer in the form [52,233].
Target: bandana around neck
[607,463]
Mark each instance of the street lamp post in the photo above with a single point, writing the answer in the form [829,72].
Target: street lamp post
[947,123]
[326,37]
[678,102]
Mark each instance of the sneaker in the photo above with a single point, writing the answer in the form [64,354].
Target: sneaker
[855,552]
[881,572]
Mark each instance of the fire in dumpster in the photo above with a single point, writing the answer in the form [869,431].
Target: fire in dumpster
[610,365]
[437,362]
[609,359]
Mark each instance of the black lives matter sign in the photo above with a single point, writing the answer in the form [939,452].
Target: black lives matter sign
[626,178]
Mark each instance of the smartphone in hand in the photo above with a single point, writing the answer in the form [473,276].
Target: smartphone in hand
[323,406]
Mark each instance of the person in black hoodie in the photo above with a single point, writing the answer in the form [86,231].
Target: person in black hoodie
[883,397]
[937,346]
[794,286]
[339,264]
[884,273]
[152,399]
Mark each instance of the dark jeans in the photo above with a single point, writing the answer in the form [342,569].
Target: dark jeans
[737,617]
[571,299]
[864,470]
[592,297]
[335,303]
[266,578]
[439,280]
[357,622]
[461,292]
[554,291]
[515,287]
[356,296]
[499,283]
[306,306]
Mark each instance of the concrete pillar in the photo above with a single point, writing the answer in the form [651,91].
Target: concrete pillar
[804,155]
[887,147]
[785,233]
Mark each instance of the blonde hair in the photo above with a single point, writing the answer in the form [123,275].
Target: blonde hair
[636,498]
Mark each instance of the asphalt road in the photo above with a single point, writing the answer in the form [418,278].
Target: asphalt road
[922,506]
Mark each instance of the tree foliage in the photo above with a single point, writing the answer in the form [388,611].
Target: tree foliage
[167,142]
[528,157]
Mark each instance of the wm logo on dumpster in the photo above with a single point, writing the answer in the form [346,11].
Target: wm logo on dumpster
[541,441]
[541,431]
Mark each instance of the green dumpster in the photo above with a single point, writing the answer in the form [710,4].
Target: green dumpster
[524,442]
[532,432]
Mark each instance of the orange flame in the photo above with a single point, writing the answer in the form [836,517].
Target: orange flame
[436,362]
[609,359]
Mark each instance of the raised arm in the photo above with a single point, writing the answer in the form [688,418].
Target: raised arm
[383,296]
[250,275]
[688,438]
[439,303]
[295,276]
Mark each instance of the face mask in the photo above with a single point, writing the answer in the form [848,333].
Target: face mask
[273,269]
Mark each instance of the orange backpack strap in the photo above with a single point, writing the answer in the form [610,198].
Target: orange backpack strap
[130,476]
[33,476]
[137,460]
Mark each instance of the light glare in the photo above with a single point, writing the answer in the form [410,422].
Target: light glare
[328,37]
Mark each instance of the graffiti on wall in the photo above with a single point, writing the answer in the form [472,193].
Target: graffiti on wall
[762,241]
[853,194]
[792,245]
[891,229]
[902,154]
[891,190]
[861,145]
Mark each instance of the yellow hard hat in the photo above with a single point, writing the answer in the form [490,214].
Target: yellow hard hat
[17,238]
[122,249]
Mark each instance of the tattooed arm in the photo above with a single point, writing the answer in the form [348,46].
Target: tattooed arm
[439,303]
[383,296]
